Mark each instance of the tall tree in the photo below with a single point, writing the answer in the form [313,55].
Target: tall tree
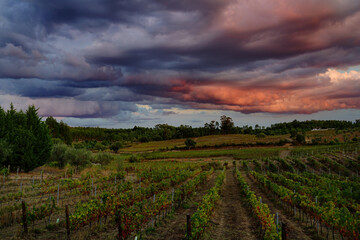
[227,124]
[27,137]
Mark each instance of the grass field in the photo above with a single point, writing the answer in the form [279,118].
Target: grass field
[244,153]
[210,141]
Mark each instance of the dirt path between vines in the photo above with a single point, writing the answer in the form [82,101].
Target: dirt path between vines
[295,229]
[174,227]
[232,220]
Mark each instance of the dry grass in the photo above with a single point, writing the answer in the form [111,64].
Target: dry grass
[211,141]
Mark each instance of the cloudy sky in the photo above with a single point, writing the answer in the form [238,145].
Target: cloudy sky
[120,63]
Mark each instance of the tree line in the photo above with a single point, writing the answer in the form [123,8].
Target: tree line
[168,132]
[26,141]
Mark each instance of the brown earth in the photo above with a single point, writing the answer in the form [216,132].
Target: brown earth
[232,220]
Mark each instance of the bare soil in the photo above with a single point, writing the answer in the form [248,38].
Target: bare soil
[232,220]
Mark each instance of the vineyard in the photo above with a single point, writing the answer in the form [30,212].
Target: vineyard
[308,193]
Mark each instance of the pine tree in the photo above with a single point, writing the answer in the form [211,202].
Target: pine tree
[27,138]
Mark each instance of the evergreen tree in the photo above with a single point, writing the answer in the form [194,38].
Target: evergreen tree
[27,137]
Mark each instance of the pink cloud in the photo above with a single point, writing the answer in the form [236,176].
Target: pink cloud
[329,91]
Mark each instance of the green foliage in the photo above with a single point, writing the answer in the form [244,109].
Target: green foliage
[260,135]
[26,136]
[260,210]
[119,165]
[4,171]
[116,146]
[300,138]
[227,124]
[59,130]
[300,165]
[103,158]
[79,157]
[190,143]
[62,154]
[316,141]
[143,139]
[58,154]
[285,165]
[293,133]
[272,167]
[5,152]
[202,216]
[133,159]
[99,146]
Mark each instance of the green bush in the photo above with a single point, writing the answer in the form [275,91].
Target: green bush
[190,143]
[116,146]
[4,171]
[260,135]
[79,145]
[300,138]
[58,154]
[62,154]
[99,146]
[103,158]
[143,139]
[79,157]
[133,159]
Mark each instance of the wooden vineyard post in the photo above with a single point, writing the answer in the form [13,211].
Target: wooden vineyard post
[188,226]
[118,220]
[24,217]
[67,222]
[284,231]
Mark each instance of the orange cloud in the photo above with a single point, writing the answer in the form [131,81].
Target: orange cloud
[331,90]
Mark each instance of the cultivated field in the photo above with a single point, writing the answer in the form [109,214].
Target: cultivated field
[206,141]
[308,193]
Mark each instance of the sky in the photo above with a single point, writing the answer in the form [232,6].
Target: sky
[118,63]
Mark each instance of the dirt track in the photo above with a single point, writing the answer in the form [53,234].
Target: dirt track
[232,220]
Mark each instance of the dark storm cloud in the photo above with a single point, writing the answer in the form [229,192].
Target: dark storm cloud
[35,88]
[247,56]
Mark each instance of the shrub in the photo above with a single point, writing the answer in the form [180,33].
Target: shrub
[78,157]
[300,138]
[133,159]
[79,145]
[58,155]
[99,146]
[116,146]
[143,139]
[190,143]
[103,158]
[260,135]
[4,171]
